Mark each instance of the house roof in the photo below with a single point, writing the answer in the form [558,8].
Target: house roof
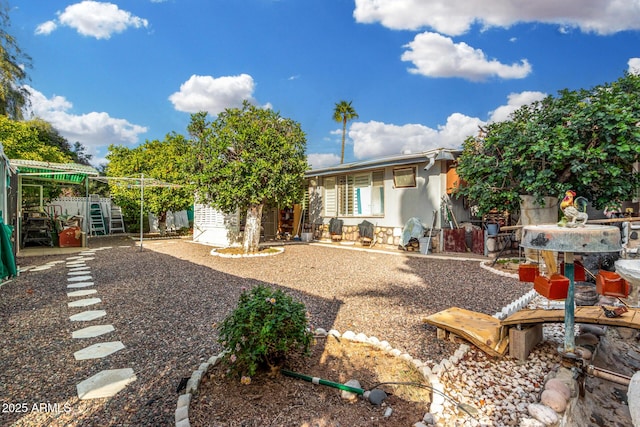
[71,173]
[380,162]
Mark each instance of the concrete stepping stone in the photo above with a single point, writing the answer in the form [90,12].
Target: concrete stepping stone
[79,285]
[71,258]
[105,383]
[84,267]
[84,302]
[82,293]
[78,278]
[92,331]
[99,350]
[88,315]
[77,273]
[75,264]
[42,268]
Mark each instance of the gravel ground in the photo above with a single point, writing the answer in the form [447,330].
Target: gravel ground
[163,302]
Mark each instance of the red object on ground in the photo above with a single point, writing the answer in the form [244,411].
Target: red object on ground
[70,237]
[554,287]
[611,284]
[528,272]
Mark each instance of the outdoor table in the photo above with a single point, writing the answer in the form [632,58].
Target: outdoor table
[584,239]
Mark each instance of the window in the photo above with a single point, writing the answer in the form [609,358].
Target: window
[404,177]
[359,194]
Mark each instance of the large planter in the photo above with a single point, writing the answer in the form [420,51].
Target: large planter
[533,213]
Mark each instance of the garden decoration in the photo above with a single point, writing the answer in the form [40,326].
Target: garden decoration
[574,209]
[585,239]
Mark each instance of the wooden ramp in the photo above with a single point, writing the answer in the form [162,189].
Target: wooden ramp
[482,330]
[583,314]
[491,335]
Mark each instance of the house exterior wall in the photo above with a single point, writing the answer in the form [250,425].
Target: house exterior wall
[400,204]
[213,227]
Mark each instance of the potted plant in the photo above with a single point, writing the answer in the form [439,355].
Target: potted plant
[585,140]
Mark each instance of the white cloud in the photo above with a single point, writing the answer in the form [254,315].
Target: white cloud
[455,17]
[435,55]
[377,139]
[322,160]
[95,130]
[46,28]
[634,65]
[94,19]
[515,101]
[213,95]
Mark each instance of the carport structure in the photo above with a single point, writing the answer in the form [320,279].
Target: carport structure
[34,176]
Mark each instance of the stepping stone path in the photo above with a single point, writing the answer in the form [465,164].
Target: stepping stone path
[108,382]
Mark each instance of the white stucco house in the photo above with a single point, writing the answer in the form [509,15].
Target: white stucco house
[387,192]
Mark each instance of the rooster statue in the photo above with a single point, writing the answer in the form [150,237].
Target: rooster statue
[574,210]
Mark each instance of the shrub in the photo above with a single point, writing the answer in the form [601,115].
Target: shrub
[264,329]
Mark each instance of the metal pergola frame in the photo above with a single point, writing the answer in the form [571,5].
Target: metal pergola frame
[136,182]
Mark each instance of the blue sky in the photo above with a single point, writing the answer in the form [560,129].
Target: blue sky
[421,74]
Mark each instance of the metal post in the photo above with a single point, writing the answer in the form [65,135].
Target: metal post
[569,311]
[141,208]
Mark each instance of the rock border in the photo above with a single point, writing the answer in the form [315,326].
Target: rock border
[430,374]
[278,250]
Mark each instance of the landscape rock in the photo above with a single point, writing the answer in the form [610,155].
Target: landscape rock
[543,413]
[554,400]
[633,397]
[559,386]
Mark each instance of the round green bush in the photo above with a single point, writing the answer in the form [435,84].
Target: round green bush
[265,328]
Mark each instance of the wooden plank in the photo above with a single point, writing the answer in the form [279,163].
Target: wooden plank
[583,314]
[534,316]
[480,329]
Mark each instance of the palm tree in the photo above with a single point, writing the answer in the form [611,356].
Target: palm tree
[342,113]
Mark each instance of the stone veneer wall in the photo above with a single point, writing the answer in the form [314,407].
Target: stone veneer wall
[388,236]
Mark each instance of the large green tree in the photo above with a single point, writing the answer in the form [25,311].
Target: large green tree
[159,160]
[247,158]
[587,140]
[23,140]
[344,112]
[13,64]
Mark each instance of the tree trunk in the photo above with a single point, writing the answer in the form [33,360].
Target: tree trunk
[252,228]
[162,223]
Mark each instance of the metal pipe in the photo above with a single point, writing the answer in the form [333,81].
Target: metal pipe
[569,305]
[608,375]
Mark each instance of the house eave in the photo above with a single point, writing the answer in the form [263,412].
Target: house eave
[381,162]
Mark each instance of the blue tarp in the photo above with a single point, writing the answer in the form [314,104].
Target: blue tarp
[413,229]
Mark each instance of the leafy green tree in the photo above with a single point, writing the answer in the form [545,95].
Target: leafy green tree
[22,140]
[343,113]
[584,140]
[245,159]
[13,63]
[160,160]
[80,155]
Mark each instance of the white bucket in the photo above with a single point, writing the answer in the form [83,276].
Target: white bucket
[424,241]
[306,237]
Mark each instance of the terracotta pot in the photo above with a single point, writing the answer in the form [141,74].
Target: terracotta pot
[528,272]
[611,284]
[553,288]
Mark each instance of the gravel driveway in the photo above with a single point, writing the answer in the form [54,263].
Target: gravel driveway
[164,300]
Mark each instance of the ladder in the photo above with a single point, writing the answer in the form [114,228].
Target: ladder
[116,223]
[96,220]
